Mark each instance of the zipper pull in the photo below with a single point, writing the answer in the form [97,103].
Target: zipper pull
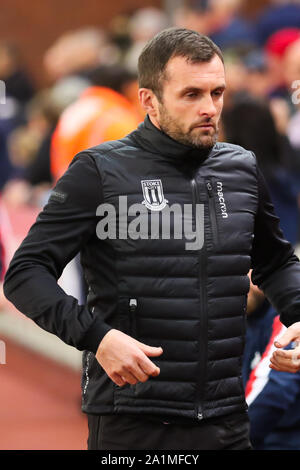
[209,188]
[132,317]
[199,413]
[132,305]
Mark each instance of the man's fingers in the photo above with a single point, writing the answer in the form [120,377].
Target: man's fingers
[141,374]
[117,379]
[150,351]
[282,354]
[125,359]
[279,363]
[285,361]
[291,334]
[128,377]
[279,369]
[285,339]
[287,368]
[148,366]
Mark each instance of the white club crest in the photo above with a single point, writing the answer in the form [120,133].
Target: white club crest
[153,195]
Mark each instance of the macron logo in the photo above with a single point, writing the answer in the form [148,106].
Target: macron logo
[221,200]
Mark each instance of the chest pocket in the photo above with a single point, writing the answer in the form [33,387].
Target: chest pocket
[231,217]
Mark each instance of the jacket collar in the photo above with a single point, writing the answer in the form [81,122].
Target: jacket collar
[156,141]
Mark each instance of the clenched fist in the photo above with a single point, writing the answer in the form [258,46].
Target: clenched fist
[125,360]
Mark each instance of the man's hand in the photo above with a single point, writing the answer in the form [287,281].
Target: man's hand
[255,296]
[125,360]
[287,361]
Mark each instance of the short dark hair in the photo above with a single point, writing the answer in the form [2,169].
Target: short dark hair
[169,43]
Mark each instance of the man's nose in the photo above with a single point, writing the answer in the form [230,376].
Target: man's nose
[207,107]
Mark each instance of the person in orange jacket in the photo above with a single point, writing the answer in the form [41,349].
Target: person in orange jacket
[99,115]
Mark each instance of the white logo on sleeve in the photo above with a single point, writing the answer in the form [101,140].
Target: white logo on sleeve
[222,200]
[153,195]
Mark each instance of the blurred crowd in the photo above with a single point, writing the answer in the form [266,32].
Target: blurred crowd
[92,97]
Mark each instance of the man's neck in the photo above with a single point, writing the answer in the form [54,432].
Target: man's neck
[154,122]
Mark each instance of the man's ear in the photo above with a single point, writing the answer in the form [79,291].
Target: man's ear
[149,102]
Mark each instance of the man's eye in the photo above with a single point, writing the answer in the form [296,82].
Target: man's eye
[191,95]
[218,93]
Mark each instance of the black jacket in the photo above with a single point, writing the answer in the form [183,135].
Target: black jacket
[190,302]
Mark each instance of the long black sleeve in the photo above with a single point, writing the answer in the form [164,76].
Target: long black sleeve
[61,229]
[276,269]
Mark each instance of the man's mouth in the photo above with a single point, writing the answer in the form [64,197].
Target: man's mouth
[204,126]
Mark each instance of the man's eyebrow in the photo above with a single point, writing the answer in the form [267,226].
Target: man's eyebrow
[220,87]
[197,89]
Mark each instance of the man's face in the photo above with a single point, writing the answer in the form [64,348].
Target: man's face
[192,101]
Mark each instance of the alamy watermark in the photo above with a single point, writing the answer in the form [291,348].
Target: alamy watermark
[135,222]
[296,95]
[2,352]
[2,92]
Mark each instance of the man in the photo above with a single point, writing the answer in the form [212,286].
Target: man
[163,328]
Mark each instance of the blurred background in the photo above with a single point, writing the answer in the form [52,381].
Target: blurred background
[69,69]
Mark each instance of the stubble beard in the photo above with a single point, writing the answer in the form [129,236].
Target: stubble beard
[195,137]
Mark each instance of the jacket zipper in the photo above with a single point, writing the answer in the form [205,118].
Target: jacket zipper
[132,317]
[212,211]
[203,318]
